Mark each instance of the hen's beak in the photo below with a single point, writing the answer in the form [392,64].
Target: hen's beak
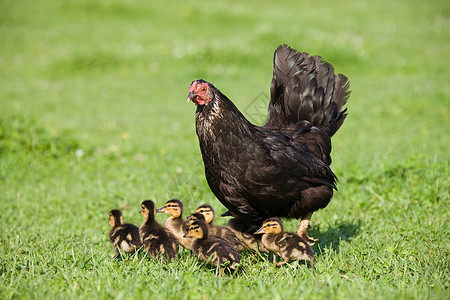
[160,210]
[260,231]
[192,97]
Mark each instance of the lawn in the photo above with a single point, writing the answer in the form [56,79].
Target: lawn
[93,116]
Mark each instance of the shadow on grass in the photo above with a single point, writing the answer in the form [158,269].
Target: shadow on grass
[334,235]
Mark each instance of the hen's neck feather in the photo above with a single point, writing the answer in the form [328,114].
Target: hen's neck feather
[221,114]
[220,127]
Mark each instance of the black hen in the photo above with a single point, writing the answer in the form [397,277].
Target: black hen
[282,168]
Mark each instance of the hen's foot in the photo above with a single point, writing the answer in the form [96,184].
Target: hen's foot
[303,230]
[310,240]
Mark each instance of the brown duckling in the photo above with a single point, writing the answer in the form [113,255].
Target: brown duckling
[212,249]
[240,240]
[287,245]
[192,218]
[236,222]
[207,211]
[155,238]
[175,223]
[124,236]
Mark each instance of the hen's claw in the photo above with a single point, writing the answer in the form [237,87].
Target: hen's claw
[311,241]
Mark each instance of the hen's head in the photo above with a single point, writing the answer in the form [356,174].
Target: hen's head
[200,92]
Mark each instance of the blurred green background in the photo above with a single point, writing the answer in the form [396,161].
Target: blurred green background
[121,66]
[93,116]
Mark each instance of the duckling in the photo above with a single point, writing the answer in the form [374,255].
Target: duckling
[175,223]
[236,222]
[123,236]
[212,249]
[285,244]
[155,238]
[240,240]
[252,242]
[192,218]
[207,211]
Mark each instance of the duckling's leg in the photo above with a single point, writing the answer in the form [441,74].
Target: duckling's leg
[220,274]
[303,229]
[281,263]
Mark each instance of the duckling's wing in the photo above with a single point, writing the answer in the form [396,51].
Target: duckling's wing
[133,231]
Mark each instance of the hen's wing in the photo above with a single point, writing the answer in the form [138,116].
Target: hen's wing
[272,170]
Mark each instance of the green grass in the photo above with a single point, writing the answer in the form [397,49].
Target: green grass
[93,116]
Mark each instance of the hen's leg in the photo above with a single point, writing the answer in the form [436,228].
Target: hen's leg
[303,229]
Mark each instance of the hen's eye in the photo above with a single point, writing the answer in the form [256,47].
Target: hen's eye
[203,89]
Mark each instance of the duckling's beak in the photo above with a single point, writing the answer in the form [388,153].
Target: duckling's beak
[227,214]
[260,231]
[161,210]
[187,234]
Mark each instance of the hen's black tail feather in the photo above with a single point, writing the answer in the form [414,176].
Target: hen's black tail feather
[306,92]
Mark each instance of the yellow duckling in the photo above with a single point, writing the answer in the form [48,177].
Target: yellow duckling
[175,223]
[240,240]
[155,238]
[123,236]
[287,245]
[212,249]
